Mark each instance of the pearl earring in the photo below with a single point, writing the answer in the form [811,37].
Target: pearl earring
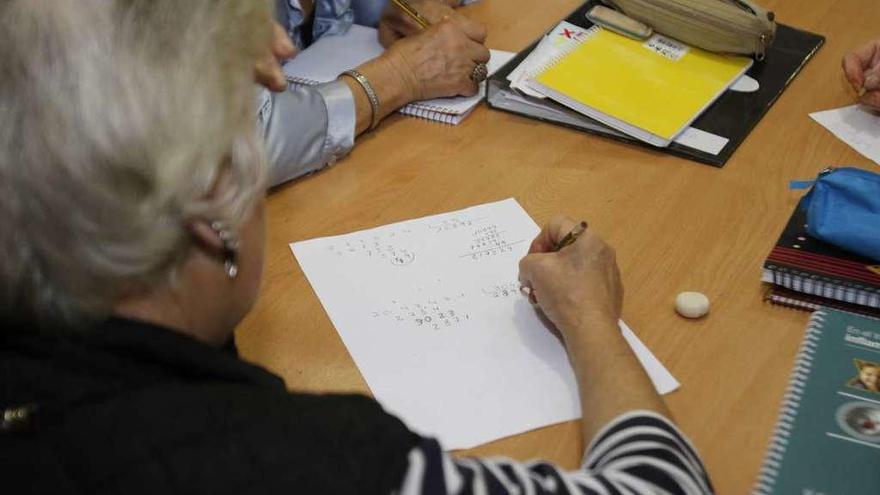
[230,247]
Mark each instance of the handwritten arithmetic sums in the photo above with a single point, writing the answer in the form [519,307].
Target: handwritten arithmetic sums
[433,313]
[380,247]
[510,289]
[453,223]
[489,241]
[478,238]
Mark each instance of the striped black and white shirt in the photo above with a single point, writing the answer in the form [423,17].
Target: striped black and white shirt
[639,452]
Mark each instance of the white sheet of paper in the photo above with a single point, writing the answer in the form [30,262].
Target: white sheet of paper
[431,312]
[856,126]
[662,379]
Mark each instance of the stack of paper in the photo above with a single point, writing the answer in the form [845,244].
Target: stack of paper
[651,90]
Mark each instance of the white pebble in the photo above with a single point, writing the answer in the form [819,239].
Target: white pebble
[692,304]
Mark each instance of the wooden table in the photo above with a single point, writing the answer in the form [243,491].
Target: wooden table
[676,225]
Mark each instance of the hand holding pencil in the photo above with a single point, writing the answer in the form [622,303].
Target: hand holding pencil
[571,274]
[862,69]
[403,18]
[444,55]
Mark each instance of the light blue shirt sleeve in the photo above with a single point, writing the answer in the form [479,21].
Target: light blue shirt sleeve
[306,128]
[309,128]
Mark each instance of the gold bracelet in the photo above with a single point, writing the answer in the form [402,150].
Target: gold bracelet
[368,90]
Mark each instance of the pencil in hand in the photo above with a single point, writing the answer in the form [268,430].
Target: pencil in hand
[413,14]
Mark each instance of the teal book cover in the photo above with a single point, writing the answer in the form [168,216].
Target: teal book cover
[827,438]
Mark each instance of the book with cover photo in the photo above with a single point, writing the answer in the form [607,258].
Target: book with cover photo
[827,436]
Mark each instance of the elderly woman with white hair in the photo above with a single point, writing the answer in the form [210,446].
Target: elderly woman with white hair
[131,245]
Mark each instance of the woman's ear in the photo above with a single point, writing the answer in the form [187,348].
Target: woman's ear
[206,238]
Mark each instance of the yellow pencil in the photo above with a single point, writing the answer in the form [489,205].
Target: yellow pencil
[412,13]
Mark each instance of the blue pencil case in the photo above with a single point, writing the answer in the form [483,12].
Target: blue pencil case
[843,208]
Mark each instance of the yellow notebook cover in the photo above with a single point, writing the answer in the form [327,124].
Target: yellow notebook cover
[658,86]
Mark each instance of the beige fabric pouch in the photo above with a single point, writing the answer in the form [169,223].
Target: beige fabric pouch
[727,26]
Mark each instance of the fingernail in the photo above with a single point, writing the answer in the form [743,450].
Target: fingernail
[872,82]
[288,45]
[280,80]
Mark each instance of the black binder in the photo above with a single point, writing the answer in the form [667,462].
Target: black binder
[732,116]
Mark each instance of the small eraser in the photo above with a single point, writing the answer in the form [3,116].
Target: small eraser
[692,304]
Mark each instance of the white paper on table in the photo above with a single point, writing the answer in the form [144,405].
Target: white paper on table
[431,312]
[662,379]
[856,126]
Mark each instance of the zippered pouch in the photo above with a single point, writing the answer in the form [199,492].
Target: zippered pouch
[726,26]
[843,208]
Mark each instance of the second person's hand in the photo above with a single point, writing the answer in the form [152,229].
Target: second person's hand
[862,70]
[396,24]
[439,61]
[267,70]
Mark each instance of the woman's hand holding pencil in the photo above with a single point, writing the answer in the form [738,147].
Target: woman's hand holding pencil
[402,18]
[862,69]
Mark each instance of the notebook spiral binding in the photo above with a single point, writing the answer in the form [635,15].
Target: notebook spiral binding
[430,112]
[563,53]
[798,282]
[302,81]
[788,411]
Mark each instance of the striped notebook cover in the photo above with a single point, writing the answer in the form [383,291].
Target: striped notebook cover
[781,296]
[803,264]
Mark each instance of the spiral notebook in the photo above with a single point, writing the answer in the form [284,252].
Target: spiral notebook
[651,90]
[804,264]
[328,57]
[827,436]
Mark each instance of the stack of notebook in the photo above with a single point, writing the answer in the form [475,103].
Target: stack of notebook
[806,273]
[331,55]
[649,89]
[706,125]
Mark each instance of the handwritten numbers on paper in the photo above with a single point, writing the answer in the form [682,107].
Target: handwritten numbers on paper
[376,247]
[430,314]
[489,241]
[503,290]
[453,223]
[401,257]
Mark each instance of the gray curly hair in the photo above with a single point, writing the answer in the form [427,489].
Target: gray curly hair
[117,119]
